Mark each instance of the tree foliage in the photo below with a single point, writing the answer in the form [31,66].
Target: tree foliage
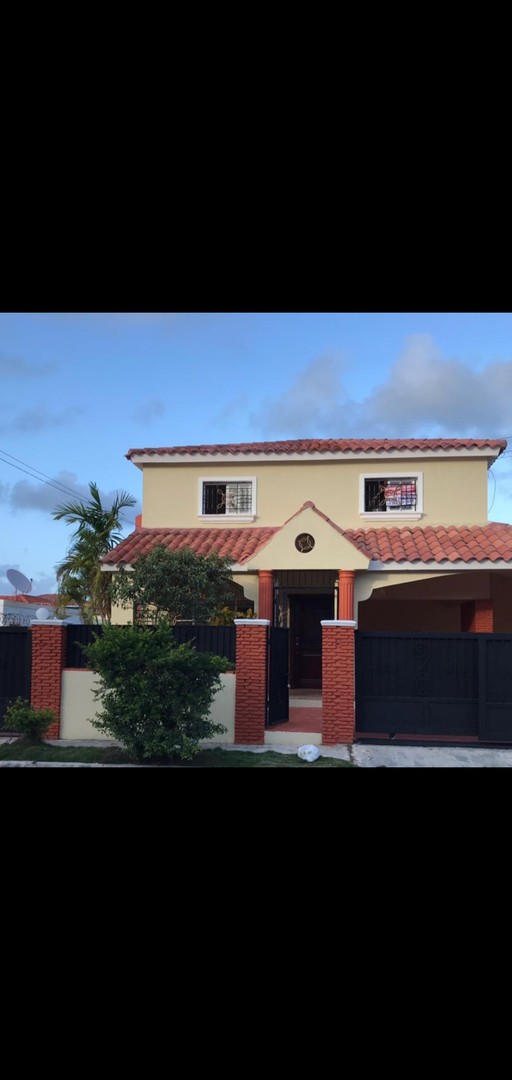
[155,694]
[80,577]
[226,616]
[174,585]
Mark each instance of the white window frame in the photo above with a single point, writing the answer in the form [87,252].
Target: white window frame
[392,515]
[227,480]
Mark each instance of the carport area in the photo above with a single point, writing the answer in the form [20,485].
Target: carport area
[475,600]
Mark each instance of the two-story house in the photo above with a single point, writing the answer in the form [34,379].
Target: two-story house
[391,533]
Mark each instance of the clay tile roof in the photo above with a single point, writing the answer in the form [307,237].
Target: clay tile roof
[323,446]
[311,506]
[24,598]
[239,544]
[436,543]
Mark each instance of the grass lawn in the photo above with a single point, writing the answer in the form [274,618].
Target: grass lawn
[22,750]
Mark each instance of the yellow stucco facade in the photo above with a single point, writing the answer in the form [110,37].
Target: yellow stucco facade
[454,490]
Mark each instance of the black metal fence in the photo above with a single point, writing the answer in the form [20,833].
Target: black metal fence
[430,684]
[220,640]
[77,636]
[15,665]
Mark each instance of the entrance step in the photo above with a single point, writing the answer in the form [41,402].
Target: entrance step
[305,702]
[292,738]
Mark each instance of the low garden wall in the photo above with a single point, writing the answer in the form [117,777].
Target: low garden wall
[78,706]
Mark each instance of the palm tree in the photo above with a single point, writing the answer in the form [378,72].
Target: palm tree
[81,580]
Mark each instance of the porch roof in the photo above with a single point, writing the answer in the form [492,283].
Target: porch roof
[434,544]
[239,544]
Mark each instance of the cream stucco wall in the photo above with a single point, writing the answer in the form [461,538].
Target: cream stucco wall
[119,616]
[331,548]
[223,708]
[454,490]
[78,706]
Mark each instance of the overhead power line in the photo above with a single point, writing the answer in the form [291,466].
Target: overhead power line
[43,478]
[30,471]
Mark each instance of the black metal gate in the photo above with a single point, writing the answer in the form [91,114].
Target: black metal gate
[15,665]
[278,651]
[434,684]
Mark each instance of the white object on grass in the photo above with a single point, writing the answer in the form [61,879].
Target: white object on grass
[308,752]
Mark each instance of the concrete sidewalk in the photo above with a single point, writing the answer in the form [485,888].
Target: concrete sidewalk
[401,757]
[364,756]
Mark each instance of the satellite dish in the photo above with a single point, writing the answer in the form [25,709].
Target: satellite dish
[19,581]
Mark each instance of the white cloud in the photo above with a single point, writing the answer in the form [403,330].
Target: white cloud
[311,405]
[37,495]
[424,391]
[424,394]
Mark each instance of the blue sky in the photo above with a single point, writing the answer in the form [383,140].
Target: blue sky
[80,389]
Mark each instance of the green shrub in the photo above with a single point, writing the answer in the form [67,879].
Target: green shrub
[155,694]
[31,723]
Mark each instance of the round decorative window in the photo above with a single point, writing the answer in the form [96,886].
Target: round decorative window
[304,542]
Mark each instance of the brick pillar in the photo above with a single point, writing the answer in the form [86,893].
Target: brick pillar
[266,595]
[338,681]
[48,661]
[251,680]
[346,594]
[477,616]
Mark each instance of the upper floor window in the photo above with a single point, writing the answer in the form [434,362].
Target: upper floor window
[228,498]
[392,493]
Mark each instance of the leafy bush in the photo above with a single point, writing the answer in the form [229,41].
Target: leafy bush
[24,718]
[155,694]
[174,585]
[226,616]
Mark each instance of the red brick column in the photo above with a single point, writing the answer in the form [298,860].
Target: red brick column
[48,661]
[346,594]
[477,617]
[338,681]
[266,595]
[251,680]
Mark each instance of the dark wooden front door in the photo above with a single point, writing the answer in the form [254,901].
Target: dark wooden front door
[306,613]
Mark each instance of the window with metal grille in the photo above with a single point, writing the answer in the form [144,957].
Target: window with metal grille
[229,498]
[383,494]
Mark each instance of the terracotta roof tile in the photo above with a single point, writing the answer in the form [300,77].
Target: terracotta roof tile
[24,598]
[323,446]
[436,544]
[240,544]
[311,506]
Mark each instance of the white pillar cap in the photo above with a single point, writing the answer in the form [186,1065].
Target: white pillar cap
[252,622]
[338,622]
